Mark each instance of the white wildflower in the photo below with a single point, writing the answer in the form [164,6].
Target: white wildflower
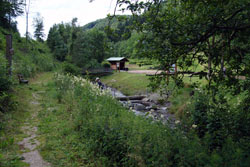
[194,126]
[177,122]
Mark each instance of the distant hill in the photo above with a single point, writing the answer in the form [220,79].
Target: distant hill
[100,24]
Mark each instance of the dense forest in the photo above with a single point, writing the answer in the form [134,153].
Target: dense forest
[80,124]
[88,46]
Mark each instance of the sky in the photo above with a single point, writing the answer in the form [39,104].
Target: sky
[57,11]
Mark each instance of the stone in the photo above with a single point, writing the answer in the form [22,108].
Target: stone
[152,110]
[146,99]
[139,107]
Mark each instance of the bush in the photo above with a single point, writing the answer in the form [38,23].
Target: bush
[5,85]
[221,117]
[44,62]
[105,64]
[71,68]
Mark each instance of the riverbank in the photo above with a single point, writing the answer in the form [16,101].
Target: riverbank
[146,105]
[139,84]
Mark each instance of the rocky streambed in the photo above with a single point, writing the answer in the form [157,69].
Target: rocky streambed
[145,105]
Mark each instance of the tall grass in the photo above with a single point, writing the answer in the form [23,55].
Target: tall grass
[98,131]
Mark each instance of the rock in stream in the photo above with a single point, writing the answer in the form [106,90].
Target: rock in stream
[144,106]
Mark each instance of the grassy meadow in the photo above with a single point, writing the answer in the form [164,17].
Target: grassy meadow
[127,83]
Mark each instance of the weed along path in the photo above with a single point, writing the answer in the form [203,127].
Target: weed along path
[29,144]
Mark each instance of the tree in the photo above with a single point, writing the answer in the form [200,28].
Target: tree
[212,33]
[10,9]
[61,37]
[89,48]
[56,43]
[39,27]
[51,37]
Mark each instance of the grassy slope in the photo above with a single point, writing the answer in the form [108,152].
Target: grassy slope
[11,153]
[129,84]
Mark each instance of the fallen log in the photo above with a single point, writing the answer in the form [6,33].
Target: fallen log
[141,102]
[130,98]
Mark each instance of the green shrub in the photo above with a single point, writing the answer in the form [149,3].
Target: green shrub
[5,82]
[31,57]
[25,66]
[44,62]
[105,64]
[221,117]
[5,86]
[71,68]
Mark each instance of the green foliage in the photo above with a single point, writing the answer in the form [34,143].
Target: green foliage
[221,117]
[5,86]
[89,48]
[28,59]
[86,49]
[9,10]
[39,27]
[5,82]
[203,34]
[141,62]
[125,48]
[71,68]
[97,131]
[105,64]
[32,58]
[57,44]
[187,32]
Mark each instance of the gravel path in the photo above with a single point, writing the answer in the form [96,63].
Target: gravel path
[30,143]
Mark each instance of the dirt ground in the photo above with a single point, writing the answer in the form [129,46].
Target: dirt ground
[145,71]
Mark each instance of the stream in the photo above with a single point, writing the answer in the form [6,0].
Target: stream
[146,106]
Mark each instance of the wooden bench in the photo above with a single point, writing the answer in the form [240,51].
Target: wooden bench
[21,80]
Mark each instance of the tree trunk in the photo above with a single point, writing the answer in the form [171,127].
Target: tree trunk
[27,9]
[27,26]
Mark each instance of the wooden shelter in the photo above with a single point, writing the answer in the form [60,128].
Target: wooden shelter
[117,63]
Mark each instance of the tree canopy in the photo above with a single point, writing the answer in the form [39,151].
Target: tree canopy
[10,9]
[213,33]
[39,27]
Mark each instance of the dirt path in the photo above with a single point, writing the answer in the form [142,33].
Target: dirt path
[145,71]
[29,144]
